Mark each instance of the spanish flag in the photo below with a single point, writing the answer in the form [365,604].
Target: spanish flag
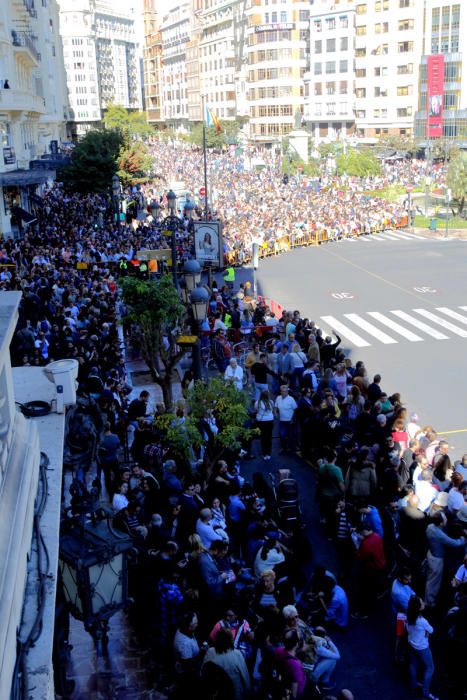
[212,120]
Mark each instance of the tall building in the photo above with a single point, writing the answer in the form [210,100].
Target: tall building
[152,68]
[101,59]
[33,108]
[176,30]
[445,23]
[278,36]
[330,80]
[222,56]
[388,45]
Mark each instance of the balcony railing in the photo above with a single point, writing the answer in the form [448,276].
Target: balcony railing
[18,101]
[27,41]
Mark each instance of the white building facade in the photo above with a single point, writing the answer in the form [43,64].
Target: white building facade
[176,29]
[330,81]
[101,59]
[33,108]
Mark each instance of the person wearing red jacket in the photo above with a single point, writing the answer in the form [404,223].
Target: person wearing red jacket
[372,566]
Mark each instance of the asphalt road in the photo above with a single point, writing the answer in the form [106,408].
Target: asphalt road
[417,340]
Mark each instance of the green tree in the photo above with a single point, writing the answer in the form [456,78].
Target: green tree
[93,162]
[134,162]
[358,163]
[230,409]
[116,117]
[153,312]
[457,180]
[138,124]
[214,139]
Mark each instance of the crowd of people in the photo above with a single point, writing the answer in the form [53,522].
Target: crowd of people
[223,579]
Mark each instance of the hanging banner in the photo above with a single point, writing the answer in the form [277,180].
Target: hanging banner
[208,243]
[435,95]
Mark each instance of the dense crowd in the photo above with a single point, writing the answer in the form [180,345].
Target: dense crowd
[223,576]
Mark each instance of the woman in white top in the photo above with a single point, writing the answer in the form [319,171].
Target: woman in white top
[120,499]
[299,360]
[418,633]
[340,377]
[265,418]
[234,374]
[269,556]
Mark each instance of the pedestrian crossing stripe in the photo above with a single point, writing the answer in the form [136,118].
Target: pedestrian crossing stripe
[388,236]
[388,329]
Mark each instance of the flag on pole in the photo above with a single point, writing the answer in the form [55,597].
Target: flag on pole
[211,119]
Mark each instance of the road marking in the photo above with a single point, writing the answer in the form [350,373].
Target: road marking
[420,325]
[388,237]
[403,236]
[441,322]
[345,331]
[451,432]
[452,314]
[376,238]
[342,295]
[404,332]
[364,238]
[371,329]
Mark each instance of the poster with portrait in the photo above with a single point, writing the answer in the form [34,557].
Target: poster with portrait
[208,243]
[435,96]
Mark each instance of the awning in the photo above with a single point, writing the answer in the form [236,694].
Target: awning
[24,215]
[26,177]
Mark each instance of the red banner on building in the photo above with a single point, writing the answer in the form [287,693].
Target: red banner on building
[435,96]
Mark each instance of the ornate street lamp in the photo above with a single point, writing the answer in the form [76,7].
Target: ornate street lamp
[93,568]
[116,196]
[192,274]
[199,304]
[172,223]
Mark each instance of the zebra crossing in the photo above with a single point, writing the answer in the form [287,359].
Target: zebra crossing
[393,236]
[396,325]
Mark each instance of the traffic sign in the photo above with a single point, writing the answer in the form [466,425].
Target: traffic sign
[299,168]
[409,188]
[202,191]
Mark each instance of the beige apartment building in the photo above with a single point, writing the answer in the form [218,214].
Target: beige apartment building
[152,59]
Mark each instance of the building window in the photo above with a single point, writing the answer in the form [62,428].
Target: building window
[361,30]
[318,88]
[381,92]
[330,23]
[303,15]
[404,112]
[376,114]
[330,45]
[330,67]
[450,100]
[343,87]
[360,93]
[361,9]
[360,53]
[318,25]
[343,21]
[344,45]
[330,108]
[405,24]
[403,90]
[405,3]
[360,113]
[318,46]
[330,88]
[405,70]
[318,68]
[360,72]
[405,46]
[343,66]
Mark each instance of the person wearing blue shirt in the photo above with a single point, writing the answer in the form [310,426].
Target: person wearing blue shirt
[371,518]
[338,606]
[401,591]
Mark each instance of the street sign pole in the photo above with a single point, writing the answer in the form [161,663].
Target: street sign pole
[448,199]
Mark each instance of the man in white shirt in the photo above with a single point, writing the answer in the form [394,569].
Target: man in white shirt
[205,529]
[285,407]
[413,428]
[234,374]
[425,490]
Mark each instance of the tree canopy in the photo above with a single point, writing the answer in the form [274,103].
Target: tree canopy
[153,313]
[134,162]
[358,163]
[93,162]
[130,123]
[457,179]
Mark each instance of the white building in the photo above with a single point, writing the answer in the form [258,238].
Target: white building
[175,29]
[330,81]
[222,57]
[278,36]
[388,46]
[101,59]
[445,23]
[33,111]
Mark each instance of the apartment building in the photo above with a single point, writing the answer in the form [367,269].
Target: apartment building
[33,104]
[278,37]
[329,82]
[388,44]
[152,63]
[176,31]
[222,56]
[445,23]
[101,59]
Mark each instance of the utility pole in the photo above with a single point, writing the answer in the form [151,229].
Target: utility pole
[448,199]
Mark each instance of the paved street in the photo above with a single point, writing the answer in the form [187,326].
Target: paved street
[399,302]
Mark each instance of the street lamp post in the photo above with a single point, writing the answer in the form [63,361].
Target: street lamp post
[172,223]
[199,306]
[116,196]
[427,193]
[447,202]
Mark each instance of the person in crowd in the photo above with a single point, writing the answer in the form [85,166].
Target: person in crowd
[421,659]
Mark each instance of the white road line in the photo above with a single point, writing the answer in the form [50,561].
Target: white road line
[419,324]
[387,237]
[402,236]
[371,329]
[453,314]
[364,237]
[413,235]
[441,322]
[376,238]
[404,332]
[345,331]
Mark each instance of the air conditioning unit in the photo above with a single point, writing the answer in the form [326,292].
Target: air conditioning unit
[63,373]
